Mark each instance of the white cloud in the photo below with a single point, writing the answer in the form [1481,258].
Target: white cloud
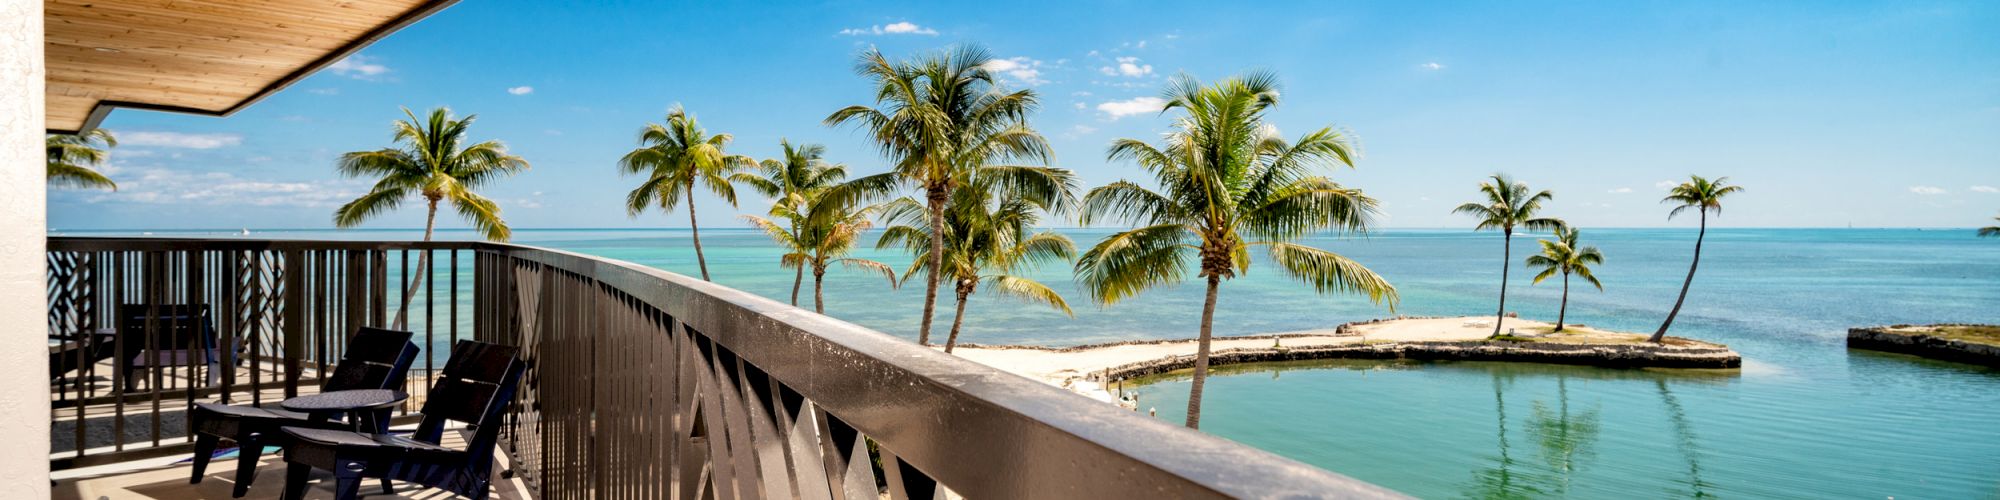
[1621,190]
[1666,184]
[178,140]
[1985,189]
[521,90]
[1080,105]
[1019,69]
[1133,106]
[1128,66]
[1927,190]
[167,186]
[324,91]
[897,28]
[359,67]
[1430,66]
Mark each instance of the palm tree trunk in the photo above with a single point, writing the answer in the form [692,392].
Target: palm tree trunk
[1662,334]
[1563,311]
[800,275]
[1506,263]
[423,266]
[797,279]
[958,318]
[1201,353]
[937,198]
[695,230]
[819,291]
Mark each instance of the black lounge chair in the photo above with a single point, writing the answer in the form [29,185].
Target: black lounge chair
[475,388]
[165,336]
[375,359]
[75,352]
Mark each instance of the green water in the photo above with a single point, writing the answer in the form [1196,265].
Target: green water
[1804,418]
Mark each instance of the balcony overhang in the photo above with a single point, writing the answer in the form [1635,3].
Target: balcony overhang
[207,57]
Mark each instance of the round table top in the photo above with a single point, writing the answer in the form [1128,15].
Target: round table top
[358,399]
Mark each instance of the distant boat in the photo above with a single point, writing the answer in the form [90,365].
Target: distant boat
[246,232]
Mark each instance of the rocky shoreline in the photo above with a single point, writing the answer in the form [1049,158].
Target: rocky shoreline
[1607,356]
[1885,338]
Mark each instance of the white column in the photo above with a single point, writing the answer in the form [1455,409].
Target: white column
[24,385]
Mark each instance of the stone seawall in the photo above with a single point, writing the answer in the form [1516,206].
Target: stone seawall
[1880,338]
[1609,356]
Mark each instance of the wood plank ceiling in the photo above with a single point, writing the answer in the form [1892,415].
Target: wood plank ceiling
[210,57]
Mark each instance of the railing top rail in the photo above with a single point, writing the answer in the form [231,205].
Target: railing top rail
[152,243]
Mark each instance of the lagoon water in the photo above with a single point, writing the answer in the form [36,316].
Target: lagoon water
[1804,418]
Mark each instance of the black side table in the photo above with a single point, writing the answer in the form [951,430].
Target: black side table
[366,409]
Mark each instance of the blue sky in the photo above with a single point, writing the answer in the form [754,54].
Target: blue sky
[1831,113]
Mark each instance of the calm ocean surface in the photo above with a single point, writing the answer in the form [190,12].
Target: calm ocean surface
[1804,418]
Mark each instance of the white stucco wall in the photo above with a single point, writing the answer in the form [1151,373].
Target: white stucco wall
[24,390]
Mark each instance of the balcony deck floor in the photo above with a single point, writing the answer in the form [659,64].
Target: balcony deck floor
[167,479]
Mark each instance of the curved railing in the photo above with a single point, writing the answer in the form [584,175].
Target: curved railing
[649,384]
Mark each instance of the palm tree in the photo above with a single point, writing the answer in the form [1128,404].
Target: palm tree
[433,161]
[1704,196]
[939,118]
[793,178]
[1565,257]
[73,158]
[988,238]
[674,156]
[1508,205]
[1983,232]
[1227,183]
[825,233]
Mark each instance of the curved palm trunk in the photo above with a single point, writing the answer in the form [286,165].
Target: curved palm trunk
[1563,311]
[1662,334]
[800,275]
[819,291]
[1506,263]
[1201,354]
[937,198]
[958,318]
[695,230]
[423,267]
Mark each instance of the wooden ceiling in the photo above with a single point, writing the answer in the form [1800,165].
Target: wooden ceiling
[209,57]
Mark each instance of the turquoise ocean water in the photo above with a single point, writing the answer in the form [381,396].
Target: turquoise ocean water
[1804,418]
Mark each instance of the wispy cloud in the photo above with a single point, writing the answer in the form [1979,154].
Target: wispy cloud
[1128,66]
[359,67]
[324,91]
[178,140]
[521,90]
[1022,70]
[1133,106]
[897,28]
[179,187]
[1430,66]
[1927,190]
[1622,190]
[1666,184]
[1985,189]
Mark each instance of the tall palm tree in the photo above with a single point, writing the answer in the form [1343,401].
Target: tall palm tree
[675,156]
[73,159]
[826,233]
[1704,196]
[1227,183]
[794,177]
[432,160]
[939,118]
[1990,230]
[989,238]
[1508,205]
[1564,256]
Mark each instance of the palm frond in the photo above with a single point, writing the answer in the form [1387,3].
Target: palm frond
[1329,272]
[1030,291]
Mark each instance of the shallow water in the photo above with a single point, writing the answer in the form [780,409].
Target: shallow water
[1805,417]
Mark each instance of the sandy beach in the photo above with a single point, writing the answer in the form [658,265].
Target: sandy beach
[1068,367]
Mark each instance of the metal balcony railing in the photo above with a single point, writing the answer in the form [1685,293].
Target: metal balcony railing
[641,383]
